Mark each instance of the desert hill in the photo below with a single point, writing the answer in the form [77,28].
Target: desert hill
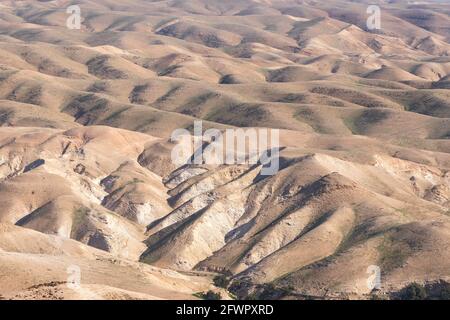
[86,177]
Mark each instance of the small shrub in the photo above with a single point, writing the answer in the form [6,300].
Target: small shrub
[378,296]
[252,296]
[221,281]
[211,295]
[414,291]
[444,293]
[270,292]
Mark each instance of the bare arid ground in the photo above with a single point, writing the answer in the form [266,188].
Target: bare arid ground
[87,181]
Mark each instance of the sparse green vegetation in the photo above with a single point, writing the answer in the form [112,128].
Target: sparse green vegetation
[270,292]
[392,254]
[78,218]
[351,125]
[131,182]
[375,296]
[221,281]
[307,116]
[115,114]
[445,292]
[432,291]
[209,295]
[414,291]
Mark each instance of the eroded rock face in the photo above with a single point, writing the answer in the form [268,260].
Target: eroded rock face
[316,208]
[135,193]
[439,194]
[51,197]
